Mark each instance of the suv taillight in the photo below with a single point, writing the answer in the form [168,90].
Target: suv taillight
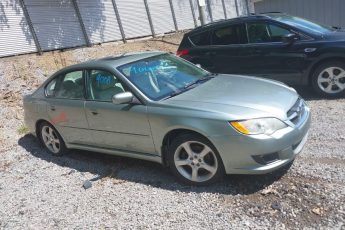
[181,53]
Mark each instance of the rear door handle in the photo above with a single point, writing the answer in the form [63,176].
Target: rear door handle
[94,112]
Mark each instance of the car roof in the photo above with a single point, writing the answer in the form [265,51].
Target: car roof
[261,16]
[112,62]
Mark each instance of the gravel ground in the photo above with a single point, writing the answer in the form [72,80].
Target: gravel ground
[39,191]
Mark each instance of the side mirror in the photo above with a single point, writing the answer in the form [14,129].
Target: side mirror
[290,38]
[123,98]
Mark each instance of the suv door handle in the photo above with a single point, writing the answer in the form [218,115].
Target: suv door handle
[258,51]
[211,53]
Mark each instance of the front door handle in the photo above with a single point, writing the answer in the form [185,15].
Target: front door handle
[52,108]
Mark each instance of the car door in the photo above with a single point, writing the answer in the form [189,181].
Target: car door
[65,96]
[218,49]
[120,127]
[268,56]
[228,47]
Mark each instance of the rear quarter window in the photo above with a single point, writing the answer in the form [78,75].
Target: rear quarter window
[201,39]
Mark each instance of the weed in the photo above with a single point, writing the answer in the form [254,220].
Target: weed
[23,130]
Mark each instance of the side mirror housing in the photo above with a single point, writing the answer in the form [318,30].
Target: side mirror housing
[123,98]
[290,38]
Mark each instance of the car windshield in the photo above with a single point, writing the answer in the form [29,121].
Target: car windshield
[303,24]
[163,76]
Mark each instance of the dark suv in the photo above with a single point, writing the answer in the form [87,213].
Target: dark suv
[273,45]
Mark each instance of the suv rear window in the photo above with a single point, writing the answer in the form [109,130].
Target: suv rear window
[201,39]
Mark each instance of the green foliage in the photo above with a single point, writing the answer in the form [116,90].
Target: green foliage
[22,130]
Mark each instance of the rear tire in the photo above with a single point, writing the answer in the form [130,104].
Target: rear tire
[194,160]
[51,139]
[328,79]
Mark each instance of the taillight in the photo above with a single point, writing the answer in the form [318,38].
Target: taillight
[181,53]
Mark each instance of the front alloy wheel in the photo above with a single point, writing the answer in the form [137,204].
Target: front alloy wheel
[195,160]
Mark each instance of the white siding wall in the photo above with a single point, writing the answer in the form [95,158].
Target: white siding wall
[134,18]
[230,7]
[57,26]
[183,14]
[161,15]
[15,36]
[100,20]
[55,23]
[329,12]
[217,9]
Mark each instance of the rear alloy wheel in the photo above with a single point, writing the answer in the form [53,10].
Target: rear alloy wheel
[194,160]
[329,79]
[52,140]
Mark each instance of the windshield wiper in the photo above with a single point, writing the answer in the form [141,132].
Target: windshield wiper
[187,87]
[208,77]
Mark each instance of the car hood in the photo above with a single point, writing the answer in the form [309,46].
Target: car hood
[336,35]
[240,97]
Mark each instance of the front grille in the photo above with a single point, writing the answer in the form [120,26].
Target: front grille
[297,112]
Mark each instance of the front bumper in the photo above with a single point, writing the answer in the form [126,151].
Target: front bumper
[260,154]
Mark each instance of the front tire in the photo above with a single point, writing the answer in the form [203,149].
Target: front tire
[52,140]
[194,160]
[329,79]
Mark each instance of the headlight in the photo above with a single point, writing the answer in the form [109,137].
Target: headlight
[258,126]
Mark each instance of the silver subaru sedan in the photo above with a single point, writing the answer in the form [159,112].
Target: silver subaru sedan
[155,106]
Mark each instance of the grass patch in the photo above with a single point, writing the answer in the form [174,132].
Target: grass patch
[23,130]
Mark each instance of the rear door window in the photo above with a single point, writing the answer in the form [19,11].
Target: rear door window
[201,39]
[230,35]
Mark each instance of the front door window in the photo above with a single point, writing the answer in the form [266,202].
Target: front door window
[103,86]
[262,32]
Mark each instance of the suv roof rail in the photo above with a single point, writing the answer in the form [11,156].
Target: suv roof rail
[230,19]
[272,12]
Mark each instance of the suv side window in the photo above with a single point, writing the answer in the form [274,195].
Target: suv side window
[102,86]
[201,39]
[258,32]
[71,86]
[277,33]
[229,35]
[262,32]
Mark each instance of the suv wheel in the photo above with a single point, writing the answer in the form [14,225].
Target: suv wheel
[52,140]
[194,160]
[329,79]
